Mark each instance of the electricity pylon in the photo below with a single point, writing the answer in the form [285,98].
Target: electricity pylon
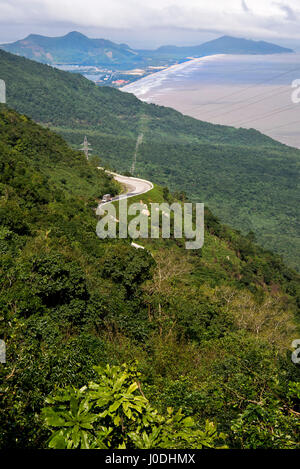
[86,147]
[2,92]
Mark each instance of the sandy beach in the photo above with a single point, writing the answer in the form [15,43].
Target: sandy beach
[240,91]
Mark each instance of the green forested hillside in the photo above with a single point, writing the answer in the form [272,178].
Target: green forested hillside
[250,181]
[211,329]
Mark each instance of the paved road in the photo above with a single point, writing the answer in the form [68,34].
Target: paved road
[134,186]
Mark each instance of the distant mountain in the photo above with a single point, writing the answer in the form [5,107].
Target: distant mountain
[75,48]
[222,45]
[233,45]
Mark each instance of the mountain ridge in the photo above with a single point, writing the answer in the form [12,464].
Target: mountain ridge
[76,48]
[227,44]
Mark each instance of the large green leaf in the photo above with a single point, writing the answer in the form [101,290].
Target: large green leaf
[52,418]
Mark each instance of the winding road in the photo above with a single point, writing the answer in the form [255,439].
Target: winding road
[134,186]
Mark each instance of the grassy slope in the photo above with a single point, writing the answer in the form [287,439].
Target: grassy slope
[249,180]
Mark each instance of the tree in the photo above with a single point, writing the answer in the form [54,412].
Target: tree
[269,423]
[113,412]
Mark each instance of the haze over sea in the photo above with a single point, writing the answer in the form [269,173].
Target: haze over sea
[251,91]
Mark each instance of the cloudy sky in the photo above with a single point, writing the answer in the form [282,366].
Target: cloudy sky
[150,24]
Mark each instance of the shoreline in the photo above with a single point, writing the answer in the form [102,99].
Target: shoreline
[166,71]
[251,101]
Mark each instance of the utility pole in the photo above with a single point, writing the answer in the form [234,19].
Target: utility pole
[86,147]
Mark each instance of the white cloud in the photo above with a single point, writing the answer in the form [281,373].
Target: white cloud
[289,12]
[249,18]
[245,6]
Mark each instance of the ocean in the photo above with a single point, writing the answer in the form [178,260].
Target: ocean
[251,91]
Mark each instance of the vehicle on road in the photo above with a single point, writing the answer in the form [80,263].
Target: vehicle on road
[106,198]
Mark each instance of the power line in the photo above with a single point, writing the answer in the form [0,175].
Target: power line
[241,101]
[282,125]
[268,114]
[250,104]
[256,84]
[138,143]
